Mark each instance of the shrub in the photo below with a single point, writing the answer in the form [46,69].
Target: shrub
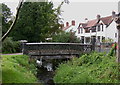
[65,37]
[10,46]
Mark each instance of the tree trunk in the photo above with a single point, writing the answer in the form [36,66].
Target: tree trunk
[15,20]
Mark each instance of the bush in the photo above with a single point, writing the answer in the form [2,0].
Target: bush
[89,68]
[10,46]
[65,37]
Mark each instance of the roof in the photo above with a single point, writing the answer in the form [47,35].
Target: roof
[65,28]
[107,20]
[90,23]
[83,24]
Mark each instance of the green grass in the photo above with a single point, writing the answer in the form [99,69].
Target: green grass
[16,69]
[89,68]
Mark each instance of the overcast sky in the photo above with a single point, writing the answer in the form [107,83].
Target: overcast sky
[78,10]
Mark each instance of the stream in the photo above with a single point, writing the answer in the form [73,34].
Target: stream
[46,77]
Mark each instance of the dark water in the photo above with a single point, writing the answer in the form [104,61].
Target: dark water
[45,76]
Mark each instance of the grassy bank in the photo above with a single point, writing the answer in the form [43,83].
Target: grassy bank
[16,69]
[89,68]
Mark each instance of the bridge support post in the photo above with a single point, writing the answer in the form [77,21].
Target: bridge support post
[23,46]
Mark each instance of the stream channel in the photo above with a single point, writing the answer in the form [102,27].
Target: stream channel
[46,71]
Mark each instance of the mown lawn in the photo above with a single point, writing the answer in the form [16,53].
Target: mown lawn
[17,69]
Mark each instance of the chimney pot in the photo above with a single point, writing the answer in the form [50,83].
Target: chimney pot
[86,20]
[73,22]
[113,14]
[67,24]
[98,17]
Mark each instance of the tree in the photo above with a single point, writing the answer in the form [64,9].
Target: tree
[18,9]
[13,23]
[37,21]
[6,18]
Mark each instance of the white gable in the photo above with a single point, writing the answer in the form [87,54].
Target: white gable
[111,31]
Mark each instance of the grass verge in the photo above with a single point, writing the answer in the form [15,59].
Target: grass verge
[17,69]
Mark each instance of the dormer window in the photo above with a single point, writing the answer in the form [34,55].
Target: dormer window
[81,30]
[99,27]
[102,27]
[78,30]
[94,29]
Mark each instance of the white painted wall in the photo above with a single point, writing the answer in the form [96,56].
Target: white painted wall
[110,31]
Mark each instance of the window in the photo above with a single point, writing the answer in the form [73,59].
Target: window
[87,31]
[98,38]
[94,29]
[78,30]
[103,38]
[82,39]
[98,27]
[93,39]
[115,35]
[102,27]
[81,30]
[87,39]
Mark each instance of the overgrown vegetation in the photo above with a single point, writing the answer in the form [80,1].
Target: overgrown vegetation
[17,69]
[10,46]
[89,68]
[66,37]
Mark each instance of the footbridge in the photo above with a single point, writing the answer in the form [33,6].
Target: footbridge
[56,50]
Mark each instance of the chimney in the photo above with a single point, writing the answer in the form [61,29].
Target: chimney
[113,14]
[67,24]
[73,22]
[98,17]
[86,20]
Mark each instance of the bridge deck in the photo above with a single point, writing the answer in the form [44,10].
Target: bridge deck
[56,49]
